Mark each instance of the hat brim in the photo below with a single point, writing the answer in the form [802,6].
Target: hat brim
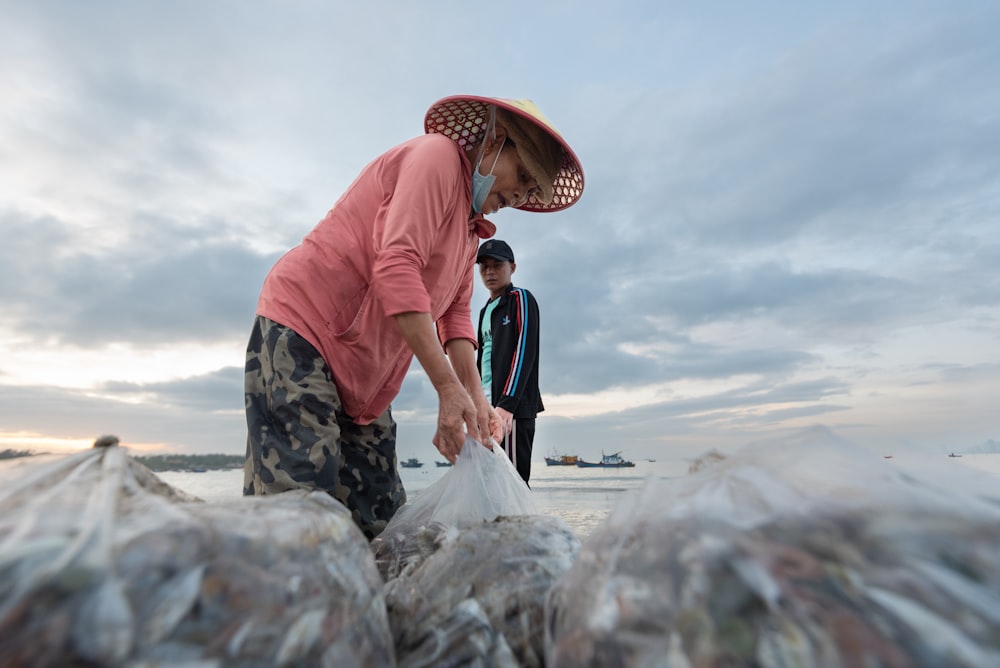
[463,118]
[494,256]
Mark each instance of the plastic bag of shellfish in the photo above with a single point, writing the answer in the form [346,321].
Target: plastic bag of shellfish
[102,563]
[479,600]
[481,486]
[809,551]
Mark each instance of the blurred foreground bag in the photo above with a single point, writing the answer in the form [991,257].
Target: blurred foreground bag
[808,552]
[101,563]
[479,599]
[481,486]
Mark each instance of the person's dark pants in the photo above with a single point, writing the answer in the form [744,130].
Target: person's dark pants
[299,437]
[524,437]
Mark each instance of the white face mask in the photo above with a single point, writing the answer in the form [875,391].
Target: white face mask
[481,184]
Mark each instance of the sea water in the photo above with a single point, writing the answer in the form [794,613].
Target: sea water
[582,497]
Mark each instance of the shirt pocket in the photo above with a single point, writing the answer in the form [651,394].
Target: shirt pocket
[348,323]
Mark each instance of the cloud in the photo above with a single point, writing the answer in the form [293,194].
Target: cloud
[143,425]
[162,284]
[208,393]
[789,216]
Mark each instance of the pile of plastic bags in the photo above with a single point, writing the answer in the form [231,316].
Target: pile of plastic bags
[804,552]
[468,565]
[807,552]
[481,486]
[101,563]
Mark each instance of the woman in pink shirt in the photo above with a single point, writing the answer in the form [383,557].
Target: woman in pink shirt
[386,275]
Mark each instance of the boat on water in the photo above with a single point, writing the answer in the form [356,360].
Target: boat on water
[954,455]
[555,459]
[411,463]
[607,461]
[442,463]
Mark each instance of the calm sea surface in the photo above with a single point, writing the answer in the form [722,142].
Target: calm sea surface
[582,497]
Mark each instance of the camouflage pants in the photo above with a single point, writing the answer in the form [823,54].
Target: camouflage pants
[299,437]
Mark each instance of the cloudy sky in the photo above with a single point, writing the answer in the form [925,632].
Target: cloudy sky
[791,217]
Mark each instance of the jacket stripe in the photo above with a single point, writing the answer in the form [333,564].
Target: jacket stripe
[518,362]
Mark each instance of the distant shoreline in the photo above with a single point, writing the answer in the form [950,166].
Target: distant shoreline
[160,463]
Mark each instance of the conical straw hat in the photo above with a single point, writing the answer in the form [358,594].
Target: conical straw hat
[463,118]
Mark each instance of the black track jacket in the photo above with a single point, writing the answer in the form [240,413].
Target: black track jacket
[514,359]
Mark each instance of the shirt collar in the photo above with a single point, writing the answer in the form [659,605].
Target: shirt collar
[481,227]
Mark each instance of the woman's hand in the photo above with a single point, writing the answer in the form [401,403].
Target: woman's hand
[456,413]
[490,424]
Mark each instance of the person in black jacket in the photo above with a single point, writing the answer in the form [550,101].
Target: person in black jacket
[508,352]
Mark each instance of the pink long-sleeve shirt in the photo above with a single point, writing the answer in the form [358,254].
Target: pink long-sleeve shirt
[399,240]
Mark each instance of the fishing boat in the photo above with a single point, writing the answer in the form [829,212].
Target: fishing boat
[613,461]
[442,463]
[411,463]
[555,459]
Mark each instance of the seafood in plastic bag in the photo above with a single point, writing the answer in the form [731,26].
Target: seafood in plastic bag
[101,563]
[808,552]
[479,599]
[481,486]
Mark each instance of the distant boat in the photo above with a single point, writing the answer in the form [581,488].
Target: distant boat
[607,461]
[197,469]
[442,463]
[412,463]
[954,455]
[561,460]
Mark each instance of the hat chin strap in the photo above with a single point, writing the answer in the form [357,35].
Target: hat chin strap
[489,134]
[495,160]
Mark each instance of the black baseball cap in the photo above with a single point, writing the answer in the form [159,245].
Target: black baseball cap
[497,249]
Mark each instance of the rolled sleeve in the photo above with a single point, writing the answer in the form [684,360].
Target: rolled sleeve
[456,323]
[398,283]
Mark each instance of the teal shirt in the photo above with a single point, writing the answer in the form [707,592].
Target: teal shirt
[486,368]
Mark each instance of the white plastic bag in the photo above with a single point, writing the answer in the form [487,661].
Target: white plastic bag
[481,486]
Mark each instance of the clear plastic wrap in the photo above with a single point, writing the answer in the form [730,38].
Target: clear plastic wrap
[806,552]
[101,563]
[479,600]
[481,486]
[468,563]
